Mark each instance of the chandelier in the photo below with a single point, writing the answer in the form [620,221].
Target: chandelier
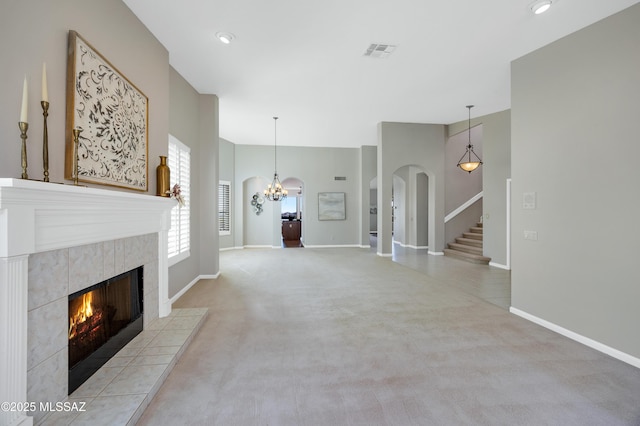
[470,164]
[275,191]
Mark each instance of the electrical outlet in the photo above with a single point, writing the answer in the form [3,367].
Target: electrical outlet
[531,235]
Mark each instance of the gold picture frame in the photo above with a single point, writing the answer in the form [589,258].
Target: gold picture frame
[113,147]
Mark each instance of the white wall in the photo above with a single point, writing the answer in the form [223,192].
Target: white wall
[373,217]
[422,210]
[42,28]
[369,197]
[411,207]
[496,156]
[33,32]
[258,229]
[400,206]
[574,144]
[420,145]
[226,160]
[209,144]
[317,168]
[461,186]
[193,120]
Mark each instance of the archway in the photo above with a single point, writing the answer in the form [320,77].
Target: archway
[421,145]
[410,207]
[373,206]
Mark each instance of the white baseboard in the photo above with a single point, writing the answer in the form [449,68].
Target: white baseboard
[436,253]
[209,277]
[334,246]
[384,254]
[191,284]
[411,246]
[615,353]
[498,265]
[307,246]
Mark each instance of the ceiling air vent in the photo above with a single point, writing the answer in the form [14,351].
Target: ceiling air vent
[339,178]
[376,50]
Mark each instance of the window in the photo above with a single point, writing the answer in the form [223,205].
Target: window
[289,205]
[180,166]
[224,212]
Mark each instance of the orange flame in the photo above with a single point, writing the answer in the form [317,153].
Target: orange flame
[85,310]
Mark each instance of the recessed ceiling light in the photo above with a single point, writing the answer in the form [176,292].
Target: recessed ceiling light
[539,7]
[224,37]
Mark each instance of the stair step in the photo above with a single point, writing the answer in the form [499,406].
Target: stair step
[466,248]
[476,229]
[469,257]
[479,224]
[469,242]
[472,235]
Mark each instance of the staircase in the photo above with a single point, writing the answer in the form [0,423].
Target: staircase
[469,246]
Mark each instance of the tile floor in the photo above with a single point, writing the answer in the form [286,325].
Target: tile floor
[486,282]
[121,390]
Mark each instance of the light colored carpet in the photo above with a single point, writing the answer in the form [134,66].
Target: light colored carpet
[344,337]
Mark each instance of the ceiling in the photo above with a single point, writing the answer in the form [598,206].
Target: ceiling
[304,62]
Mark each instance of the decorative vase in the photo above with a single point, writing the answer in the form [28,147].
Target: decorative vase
[163,175]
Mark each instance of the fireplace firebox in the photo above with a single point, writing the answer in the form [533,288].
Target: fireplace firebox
[103,318]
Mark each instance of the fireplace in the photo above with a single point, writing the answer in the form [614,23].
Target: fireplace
[103,318]
[56,240]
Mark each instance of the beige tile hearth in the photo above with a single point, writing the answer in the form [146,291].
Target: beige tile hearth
[119,392]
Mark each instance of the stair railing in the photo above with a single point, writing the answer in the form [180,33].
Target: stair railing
[463,207]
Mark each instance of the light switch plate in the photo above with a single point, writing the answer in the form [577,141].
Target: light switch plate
[531,235]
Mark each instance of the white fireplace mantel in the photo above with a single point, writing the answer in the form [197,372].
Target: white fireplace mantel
[38,216]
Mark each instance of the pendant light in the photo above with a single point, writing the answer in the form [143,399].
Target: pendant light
[275,191]
[470,164]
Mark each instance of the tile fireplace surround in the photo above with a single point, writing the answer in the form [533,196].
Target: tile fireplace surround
[54,240]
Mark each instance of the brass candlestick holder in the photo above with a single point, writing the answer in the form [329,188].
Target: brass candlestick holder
[76,135]
[23,135]
[45,141]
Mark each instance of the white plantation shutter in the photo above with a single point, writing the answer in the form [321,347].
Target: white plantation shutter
[224,212]
[179,161]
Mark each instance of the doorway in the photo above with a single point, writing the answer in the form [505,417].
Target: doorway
[291,213]
[410,207]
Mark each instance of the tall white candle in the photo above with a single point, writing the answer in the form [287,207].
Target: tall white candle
[23,111]
[45,91]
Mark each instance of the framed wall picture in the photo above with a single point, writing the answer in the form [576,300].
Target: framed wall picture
[331,206]
[113,115]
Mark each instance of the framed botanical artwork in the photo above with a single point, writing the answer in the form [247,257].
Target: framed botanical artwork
[331,206]
[113,114]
